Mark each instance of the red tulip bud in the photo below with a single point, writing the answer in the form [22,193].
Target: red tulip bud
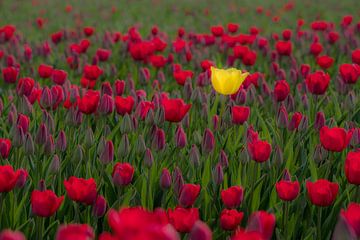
[165,179]
[99,207]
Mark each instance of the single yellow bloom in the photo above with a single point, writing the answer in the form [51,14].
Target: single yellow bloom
[227,81]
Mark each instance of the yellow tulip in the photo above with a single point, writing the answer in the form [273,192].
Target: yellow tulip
[227,81]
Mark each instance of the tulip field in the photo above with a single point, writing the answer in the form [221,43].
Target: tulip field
[169,120]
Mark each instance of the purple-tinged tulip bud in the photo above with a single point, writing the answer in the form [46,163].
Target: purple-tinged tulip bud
[290,103]
[49,146]
[18,136]
[194,156]
[305,101]
[241,97]
[208,142]
[29,148]
[320,154]
[350,100]
[278,156]
[148,158]
[140,145]
[178,181]
[149,118]
[89,138]
[77,118]
[25,106]
[161,76]
[266,91]
[42,135]
[282,117]
[286,175]
[23,174]
[106,89]
[1,107]
[61,142]
[11,118]
[304,123]
[355,138]
[78,154]
[46,100]
[41,185]
[55,164]
[126,124]
[204,110]
[281,74]
[101,145]
[218,174]
[200,231]
[12,235]
[319,120]
[99,207]
[343,230]
[119,87]
[107,155]
[196,96]
[165,179]
[159,117]
[74,94]
[215,122]
[106,105]
[187,90]
[223,159]
[124,146]
[159,142]
[180,137]
[294,75]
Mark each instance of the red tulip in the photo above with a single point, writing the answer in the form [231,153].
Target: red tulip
[316,48]
[233,196]
[10,74]
[5,146]
[322,192]
[295,121]
[259,150]
[88,31]
[183,219]
[263,223]
[75,231]
[103,54]
[217,31]
[158,61]
[59,76]
[175,109]
[11,235]
[355,56]
[8,178]
[287,190]
[317,82]
[92,72]
[249,58]
[349,73]
[284,48]
[240,114]
[182,75]
[143,109]
[122,174]
[81,190]
[140,51]
[232,27]
[247,235]
[25,86]
[325,62]
[230,219]
[23,121]
[352,217]
[56,37]
[188,194]
[281,90]
[89,102]
[334,139]
[46,203]
[352,167]
[124,104]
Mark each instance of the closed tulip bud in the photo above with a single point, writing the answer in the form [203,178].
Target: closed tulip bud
[122,174]
[290,103]
[186,121]
[124,146]
[208,142]
[49,146]
[46,100]
[88,138]
[200,231]
[106,89]
[74,94]
[55,164]
[11,118]
[23,175]
[140,145]
[17,136]
[61,142]
[355,138]
[25,106]
[305,101]
[119,87]
[304,123]
[150,118]
[178,181]
[319,120]
[148,158]
[204,110]
[293,75]
[41,185]
[351,98]
[282,117]
[106,105]
[159,142]
[278,156]
[42,135]
[101,145]
[215,122]
[165,179]
[1,107]
[78,154]
[29,148]
[99,207]
[320,154]
[218,174]
[107,155]
[187,90]
[159,117]
[180,137]
[194,156]
[223,159]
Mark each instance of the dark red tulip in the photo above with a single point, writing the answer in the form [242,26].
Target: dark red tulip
[316,48]
[56,37]
[122,174]
[89,102]
[10,74]
[240,114]
[259,150]
[175,109]
[349,73]
[23,121]
[287,190]
[230,219]
[81,190]
[92,72]
[322,192]
[188,194]
[334,139]
[182,75]
[232,197]
[352,167]
[75,231]
[8,178]
[183,219]
[119,87]
[295,121]
[317,82]
[217,31]
[352,217]
[5,146]
[249,58]
[325,62]
[158,61]
[99,206]
[88,31]
[284,48]
[25,86]
[124,105]
[232,27]
[263,223]
[143,109]
[281,90]
[59,76]
[355,56]
[103,54]
[208,141]
[46,203]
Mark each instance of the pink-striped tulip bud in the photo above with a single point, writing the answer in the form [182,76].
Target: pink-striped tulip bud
[208,142]
[106,105]
[223,159]
[165,179]
[215,122]
[23,175]
[241,97]
[194,155]
[17,136]
[106,89]
[218,174]
[158,142]
[178,181]
[282,117]
[55,164]
[99,207]
[148,158]
[46,100]
[61,142]
[107,155]
[180,137]
[42,135]
[319,120]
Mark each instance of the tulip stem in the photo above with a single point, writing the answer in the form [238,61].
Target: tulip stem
[285,217]
[1,207]
[40,225]
[319,223]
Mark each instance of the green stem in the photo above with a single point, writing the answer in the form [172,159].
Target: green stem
[40,227]
[319,223]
